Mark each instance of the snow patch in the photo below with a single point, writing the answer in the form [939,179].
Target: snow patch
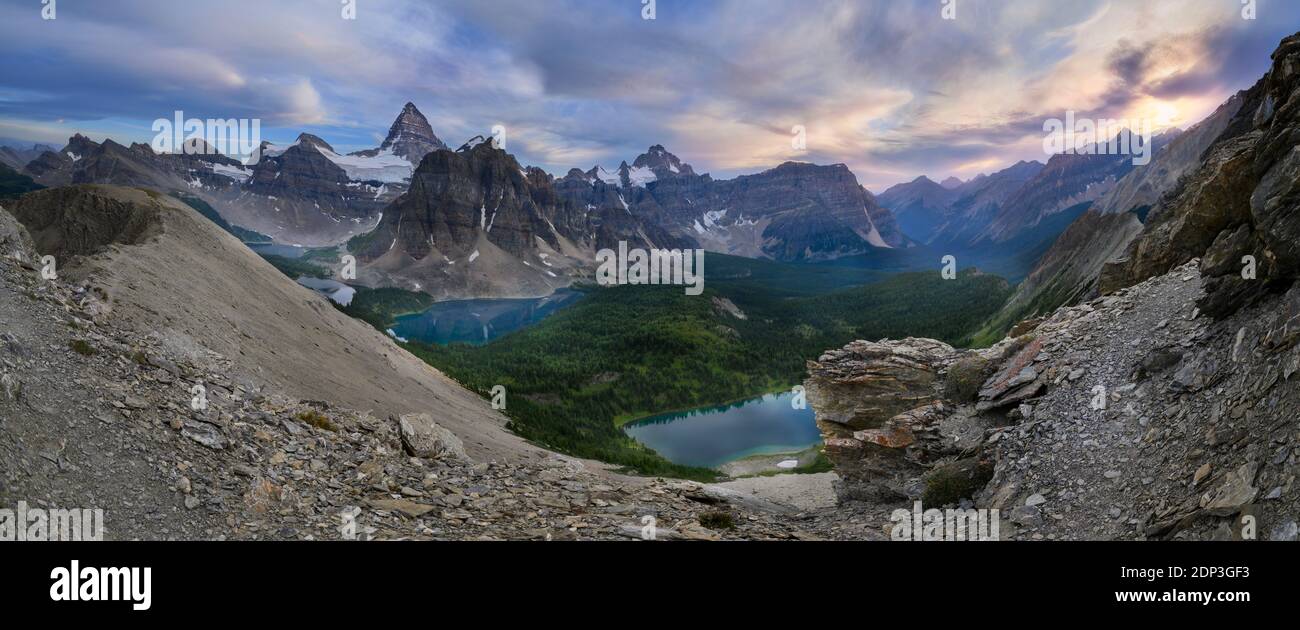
[641,176]
[609,178]
[386,166]
[237,173]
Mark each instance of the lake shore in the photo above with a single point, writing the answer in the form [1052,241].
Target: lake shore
[769,463]
[806,492]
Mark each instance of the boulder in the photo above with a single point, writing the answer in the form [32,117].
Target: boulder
[866,383]
[878,407]
[422,437]
[1235,492]
[1015,381]
[15,243]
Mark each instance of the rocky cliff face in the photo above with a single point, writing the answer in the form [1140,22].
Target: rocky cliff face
[1068,272]
[303,178]
[808,212]
[79,220]
[1241,201]
[794,212]
[882,418]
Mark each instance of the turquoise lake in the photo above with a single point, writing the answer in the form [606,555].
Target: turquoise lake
[712,436]
[478,321]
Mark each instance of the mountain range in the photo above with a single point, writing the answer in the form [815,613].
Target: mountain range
[303,193]
[473,222]
[993,209]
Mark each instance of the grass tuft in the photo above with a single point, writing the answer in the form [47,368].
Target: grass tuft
[81,347]
[318,420]
[718,520]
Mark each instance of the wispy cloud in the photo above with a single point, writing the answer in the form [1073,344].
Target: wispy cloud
[888,87]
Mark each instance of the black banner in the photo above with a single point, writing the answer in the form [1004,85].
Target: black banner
[318,580]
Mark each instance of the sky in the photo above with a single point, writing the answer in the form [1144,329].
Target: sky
[889,87]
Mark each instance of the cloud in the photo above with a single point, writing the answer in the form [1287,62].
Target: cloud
[889,88]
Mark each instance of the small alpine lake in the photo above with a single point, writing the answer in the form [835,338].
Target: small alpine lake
[767,429]
[480,320]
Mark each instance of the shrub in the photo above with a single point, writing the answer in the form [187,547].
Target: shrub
[718,520]
[949,483]
[965,377]
[81,347]
[318,420]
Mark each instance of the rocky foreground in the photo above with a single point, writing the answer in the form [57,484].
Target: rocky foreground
[96,415]
[1134,416]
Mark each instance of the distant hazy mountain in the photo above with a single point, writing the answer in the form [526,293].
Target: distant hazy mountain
[976,202]
[1144,186]
[921,206]
[84,161]
[16,156]
[1066,180]
[1071,270]
[954,212]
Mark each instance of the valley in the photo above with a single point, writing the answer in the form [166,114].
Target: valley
[371,321]
[484,269]
[629,352]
